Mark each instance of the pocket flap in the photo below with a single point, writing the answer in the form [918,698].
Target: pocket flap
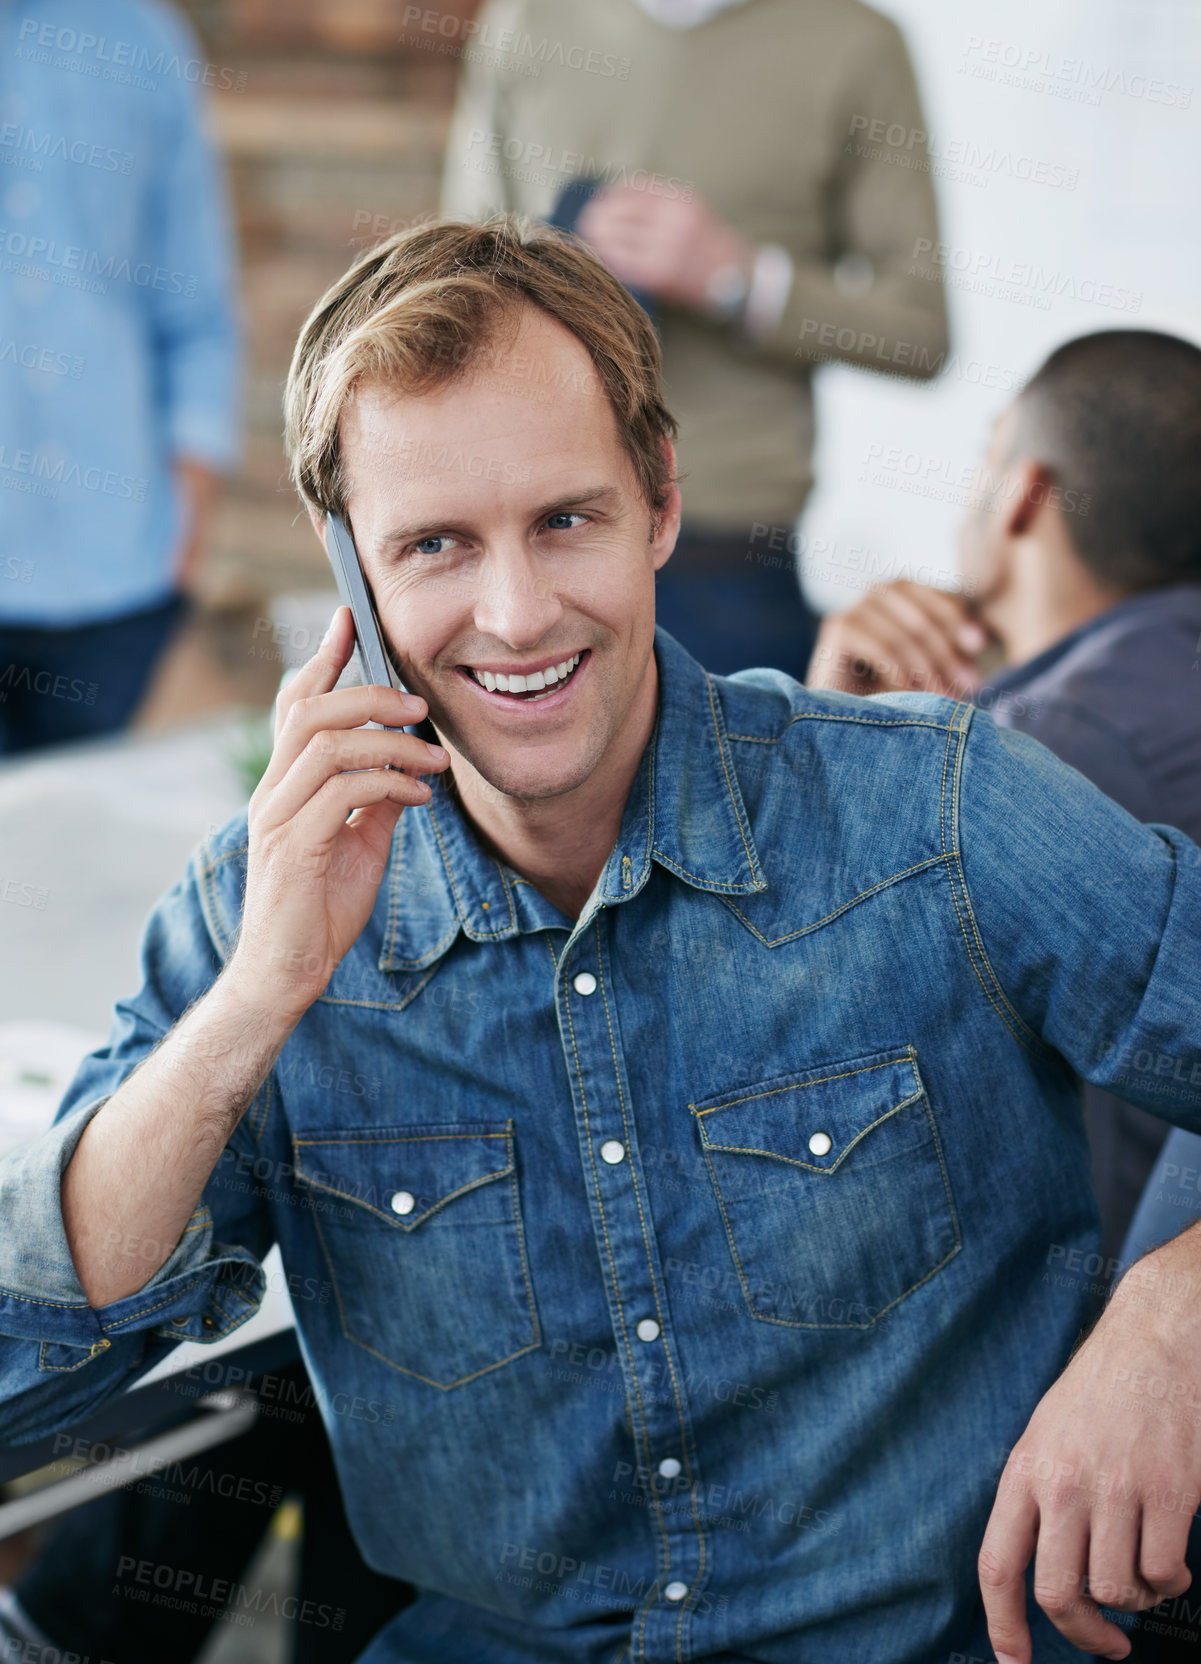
[404,1174]
[816,1118]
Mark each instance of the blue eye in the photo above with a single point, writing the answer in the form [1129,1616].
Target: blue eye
[567,514]
[423,547]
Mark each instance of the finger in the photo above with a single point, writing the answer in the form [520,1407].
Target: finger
[342,751]
[323,818]
[339,709]
[853,656]
[1061,1583]
[951,610]
[1004,1555]
[321,672]
[1162,1546]
[924,621]
[898,659]
[1113,1578]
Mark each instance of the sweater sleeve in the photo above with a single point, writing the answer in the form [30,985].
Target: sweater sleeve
[868,305]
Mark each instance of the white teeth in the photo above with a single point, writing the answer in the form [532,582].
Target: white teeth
[535,682]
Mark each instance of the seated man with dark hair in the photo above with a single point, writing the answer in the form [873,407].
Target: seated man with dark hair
[704,1243]
[1081,558]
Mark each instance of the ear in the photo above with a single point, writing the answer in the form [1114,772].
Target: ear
[318,520]
[668,528]
[1027,491]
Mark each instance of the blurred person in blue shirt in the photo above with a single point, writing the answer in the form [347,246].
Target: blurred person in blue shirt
[118,346]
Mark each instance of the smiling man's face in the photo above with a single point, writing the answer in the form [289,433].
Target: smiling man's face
[502,529]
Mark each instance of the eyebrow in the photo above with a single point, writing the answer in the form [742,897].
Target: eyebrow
[599,496]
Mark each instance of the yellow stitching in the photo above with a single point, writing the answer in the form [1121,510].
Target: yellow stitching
[641,1216]
[952,856]
[946,1178]
[831,716]
[894,878]
[348,1196]
[36,1300]
[754,1150]
[721,751]
[439,949]
[726,885]
[97,1346]
[442,1386]
[519,1227]
[867,1068]
[388,1005]
[144,1311]
[450,872]
[1040,1045]
[405,1138]
[393,898]
[508,894]
[666,1545]
[485,934]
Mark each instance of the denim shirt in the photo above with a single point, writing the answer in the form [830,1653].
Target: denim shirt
[675,1283]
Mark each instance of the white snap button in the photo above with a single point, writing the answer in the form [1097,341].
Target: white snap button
[584,982]
[669,1467]
[675,1591]
[403,1201]
[820,1144]
[648,1329]
[612,1152]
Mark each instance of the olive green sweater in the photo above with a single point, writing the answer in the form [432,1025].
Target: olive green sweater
[799,122]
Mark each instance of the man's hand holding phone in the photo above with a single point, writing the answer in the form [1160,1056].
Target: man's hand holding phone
[321,823]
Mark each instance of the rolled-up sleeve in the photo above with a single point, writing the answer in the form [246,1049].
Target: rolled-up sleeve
[60,1357]
[1083,924]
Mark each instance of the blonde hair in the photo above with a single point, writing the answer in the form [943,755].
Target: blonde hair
[425,306]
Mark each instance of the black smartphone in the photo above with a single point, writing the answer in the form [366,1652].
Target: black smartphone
[375,667]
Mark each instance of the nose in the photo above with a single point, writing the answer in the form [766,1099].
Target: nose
[518,600]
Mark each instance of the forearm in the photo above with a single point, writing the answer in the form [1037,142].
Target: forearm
[896,325]
[139,1169]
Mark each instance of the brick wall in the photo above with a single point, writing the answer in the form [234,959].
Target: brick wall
[336,131]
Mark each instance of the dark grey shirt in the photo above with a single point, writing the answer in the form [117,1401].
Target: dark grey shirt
[1120,700]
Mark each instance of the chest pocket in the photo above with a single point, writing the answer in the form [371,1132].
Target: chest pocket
[833,1190]
[421,1227]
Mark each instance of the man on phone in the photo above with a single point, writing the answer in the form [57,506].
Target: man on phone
[673,1088]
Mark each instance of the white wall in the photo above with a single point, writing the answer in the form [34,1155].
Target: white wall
[1112,110]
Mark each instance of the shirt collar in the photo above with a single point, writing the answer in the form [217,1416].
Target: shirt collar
[1163,601]
[684,810]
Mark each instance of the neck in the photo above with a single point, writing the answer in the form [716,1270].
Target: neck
[561,843]
[1047,595]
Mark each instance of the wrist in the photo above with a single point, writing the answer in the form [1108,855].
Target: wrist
[727,288]
[272,998]
[1161,1292]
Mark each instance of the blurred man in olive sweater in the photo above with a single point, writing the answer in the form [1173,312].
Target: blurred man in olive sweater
[761,179]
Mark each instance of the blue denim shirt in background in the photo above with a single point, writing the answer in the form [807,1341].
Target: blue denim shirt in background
[118,344]
[674,1284]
